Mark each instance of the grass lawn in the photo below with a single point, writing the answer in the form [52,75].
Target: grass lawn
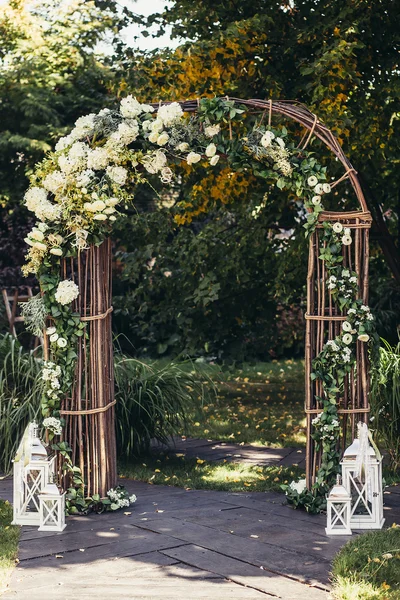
[368,567]
[199,474]
[9,536]
[262,404]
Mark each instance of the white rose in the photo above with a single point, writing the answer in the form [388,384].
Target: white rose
[212,130]
[267,139]
[214,160]
[193,158]
[211,150]
[61,342]
[98,205]
[54,337]
[318,189]
[51,330]
[363,337]
[162,139]
[153,137]
[346,326]
[183,147]
[316,200]
[39,246]
[100,217]
[56,251]
[312,181]
[112,201]
[347,338]
[337,227]
[346,240]
[326,187]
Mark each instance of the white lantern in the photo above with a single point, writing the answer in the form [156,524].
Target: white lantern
[362,478]
[338,510]
[32,471]
[52,509]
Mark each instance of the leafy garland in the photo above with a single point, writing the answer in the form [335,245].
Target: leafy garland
[76,194]
[333,363]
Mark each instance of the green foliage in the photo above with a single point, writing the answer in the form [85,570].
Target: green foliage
[385,401]
[9,536]
[152,402]
[214,287]
[21,388]
[368,567]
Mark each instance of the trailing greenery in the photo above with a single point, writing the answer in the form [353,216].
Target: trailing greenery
[368,567]
[385,401]
[332,364]
[21,388]
[199,474]
[9,536]
[154,402]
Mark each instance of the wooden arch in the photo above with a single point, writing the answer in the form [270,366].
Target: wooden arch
[89,413]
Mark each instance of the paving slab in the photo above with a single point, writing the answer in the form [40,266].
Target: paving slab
[241,572]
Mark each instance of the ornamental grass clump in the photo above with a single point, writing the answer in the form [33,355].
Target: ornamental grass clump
[21,387]
[385,401]
[152,403]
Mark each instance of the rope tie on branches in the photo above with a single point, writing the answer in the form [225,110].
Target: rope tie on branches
[100,316]
[90,411]
[343,177]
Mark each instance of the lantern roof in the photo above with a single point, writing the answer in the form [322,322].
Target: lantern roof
[353,450]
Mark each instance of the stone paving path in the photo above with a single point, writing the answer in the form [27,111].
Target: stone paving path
[243,453]
[177,544]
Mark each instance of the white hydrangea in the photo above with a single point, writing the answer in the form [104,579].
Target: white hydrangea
[298,486]
[84,178]
[64,142]
[170,113]
[84,126]
[117,174]
[126,133]
[212,130]
[54,182]
[97,159]
[53,425]
[75,160]
[332,344]
[67,292]
[37,202]
[130,108]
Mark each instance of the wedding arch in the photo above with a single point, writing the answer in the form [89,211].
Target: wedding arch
[76,193]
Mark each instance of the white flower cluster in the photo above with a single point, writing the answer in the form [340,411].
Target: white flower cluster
[212,130]
[346,231]
[67,291]
[102,209]
[38,240]
[298,486]
[326,431]
[120,498]
[275,149]
[36,201]
[345,285]
[51,375]
[318,189]
[53,425]
[55,338]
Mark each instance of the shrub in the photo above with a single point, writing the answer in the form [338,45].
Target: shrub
[368,567]
[385,401]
